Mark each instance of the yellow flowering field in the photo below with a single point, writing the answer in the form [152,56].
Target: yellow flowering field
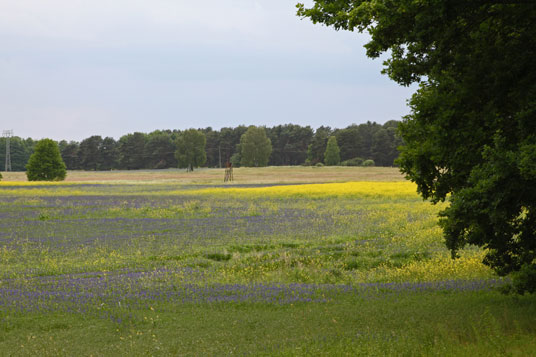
[369,189]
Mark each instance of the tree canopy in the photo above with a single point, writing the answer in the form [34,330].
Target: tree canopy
[317,146]
[160,151]
[191,149]
[471,134]
[46,163]
[132,151]
[256,147]
[332,155]
[89,153]
[291,145]
[20,152]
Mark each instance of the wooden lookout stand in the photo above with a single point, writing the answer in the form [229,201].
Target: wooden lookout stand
[228,172]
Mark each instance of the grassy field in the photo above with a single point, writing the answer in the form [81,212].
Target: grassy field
[244,175]
[169,263]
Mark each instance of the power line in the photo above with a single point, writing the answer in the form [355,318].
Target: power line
[8,134]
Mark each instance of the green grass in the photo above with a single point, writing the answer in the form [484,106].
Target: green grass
[481,324]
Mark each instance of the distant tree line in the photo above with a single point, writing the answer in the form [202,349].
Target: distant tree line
[282,145]
[20,152]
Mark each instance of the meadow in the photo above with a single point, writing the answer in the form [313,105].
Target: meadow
[283,261]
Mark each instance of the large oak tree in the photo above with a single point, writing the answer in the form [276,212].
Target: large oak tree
[471,135]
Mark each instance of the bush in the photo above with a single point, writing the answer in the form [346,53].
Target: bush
[46,163]
[369,163]
[524,280]
[319,164]
[356,161]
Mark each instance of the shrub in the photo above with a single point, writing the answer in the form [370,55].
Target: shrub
[369,162]
[356,161]
[46,163]
[524,280]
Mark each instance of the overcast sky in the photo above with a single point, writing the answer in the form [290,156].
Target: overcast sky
[70,69]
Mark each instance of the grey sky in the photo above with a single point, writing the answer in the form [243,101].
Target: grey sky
[70,69]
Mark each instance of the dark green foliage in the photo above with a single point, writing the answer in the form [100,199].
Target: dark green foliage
[229,139]
[523,280]
[289,144]
[222,145]
[191,149]
[349,143]
[332,156]
[20,151]
[132,151]
[383,147]
[369,163]
[89,153]
[471,134]
[160,151]
[236,159]
[213,150]
[357,140]
[370,140]
[46,164]
[69,154]
[93,153]
[317,147]
[356,161]
[255,147]
[109,154]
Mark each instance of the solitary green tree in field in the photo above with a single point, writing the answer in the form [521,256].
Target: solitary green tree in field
[471,135]
[46,163]
[190,151]
[256,147]
[332,155]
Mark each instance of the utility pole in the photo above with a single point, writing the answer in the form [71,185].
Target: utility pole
[8,134]
[219,150]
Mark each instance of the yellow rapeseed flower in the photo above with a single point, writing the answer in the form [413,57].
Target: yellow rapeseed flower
[347,189]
